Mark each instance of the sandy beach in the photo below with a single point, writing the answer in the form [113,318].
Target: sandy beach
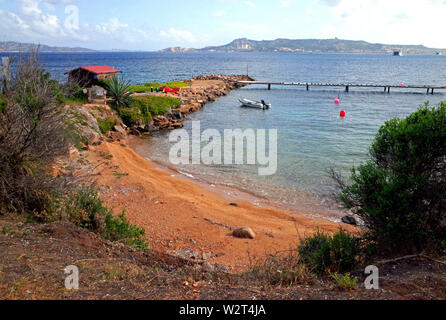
[180,216]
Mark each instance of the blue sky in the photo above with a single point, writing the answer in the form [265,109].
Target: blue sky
[153,25]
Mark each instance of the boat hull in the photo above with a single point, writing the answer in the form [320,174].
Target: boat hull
[254,104]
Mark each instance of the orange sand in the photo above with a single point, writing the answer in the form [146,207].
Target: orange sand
[173,211]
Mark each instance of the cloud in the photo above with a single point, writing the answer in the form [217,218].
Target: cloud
[250,4]
[179,36]
[218,14]
[285,3]
[392,22]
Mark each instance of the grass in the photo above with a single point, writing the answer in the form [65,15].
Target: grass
[106,125]
[344,281]
[279,270]
[155,105]
[154,85]
[75,101]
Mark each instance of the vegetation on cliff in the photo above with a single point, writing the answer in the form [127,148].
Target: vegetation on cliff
[35,129]
[139,110]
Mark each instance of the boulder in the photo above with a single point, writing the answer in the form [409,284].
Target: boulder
[120,129]
[151,128]
[349,220]
[244,233]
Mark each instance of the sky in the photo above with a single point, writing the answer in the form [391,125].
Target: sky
[154,24]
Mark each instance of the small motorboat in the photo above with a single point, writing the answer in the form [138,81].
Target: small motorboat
[255,104]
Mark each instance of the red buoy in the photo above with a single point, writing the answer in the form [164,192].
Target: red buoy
[343,114]
[337,101]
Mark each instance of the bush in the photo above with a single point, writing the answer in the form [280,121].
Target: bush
[324,253]
[132,116]
[106,125]
[32,133]
[86,210]
[119,229]
[400,192]
[73,94]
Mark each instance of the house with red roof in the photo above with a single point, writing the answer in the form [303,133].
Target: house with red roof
[88,76]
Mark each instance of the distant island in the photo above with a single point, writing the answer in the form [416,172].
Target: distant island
[310,46]
[13,46]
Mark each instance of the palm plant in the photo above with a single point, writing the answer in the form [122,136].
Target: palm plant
[118,90]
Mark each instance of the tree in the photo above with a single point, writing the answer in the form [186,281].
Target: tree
[400,192]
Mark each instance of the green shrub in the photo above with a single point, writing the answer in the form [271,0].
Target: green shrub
[400,193]
[85,209]
[119,229]
[132,116]
[74,94]
[344,281]
[323,253]
[106,125]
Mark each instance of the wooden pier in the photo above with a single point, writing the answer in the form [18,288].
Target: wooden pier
[429,88]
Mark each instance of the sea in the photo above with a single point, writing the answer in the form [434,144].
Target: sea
[312,137]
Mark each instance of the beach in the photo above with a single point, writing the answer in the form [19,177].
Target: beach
[180,216]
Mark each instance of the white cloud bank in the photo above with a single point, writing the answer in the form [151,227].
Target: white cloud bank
[35,22]
[395,21]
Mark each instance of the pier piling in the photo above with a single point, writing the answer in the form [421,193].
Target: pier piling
[429,88]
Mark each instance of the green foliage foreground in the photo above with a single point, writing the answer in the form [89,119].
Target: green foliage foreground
[85,209]
[323,253]
[400,192]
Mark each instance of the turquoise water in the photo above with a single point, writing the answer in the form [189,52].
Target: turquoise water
[311,136]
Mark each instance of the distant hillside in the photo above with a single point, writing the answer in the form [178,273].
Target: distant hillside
[310,45]
[12,46]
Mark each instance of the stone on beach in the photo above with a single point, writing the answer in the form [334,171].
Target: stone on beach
[349,220]
[244,233]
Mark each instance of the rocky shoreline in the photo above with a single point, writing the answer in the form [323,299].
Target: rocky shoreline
[203,89]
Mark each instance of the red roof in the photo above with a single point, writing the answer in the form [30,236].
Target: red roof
[100,69]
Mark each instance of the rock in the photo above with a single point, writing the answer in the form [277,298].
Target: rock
[188,254]
[135,132]
[120,129]
[244,233]
[151,128]
[206,267]
[349,220]
[73,153]
[116,136]
[207,256]
[233,204]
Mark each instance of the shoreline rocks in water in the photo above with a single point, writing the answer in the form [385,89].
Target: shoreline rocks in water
[203,89]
